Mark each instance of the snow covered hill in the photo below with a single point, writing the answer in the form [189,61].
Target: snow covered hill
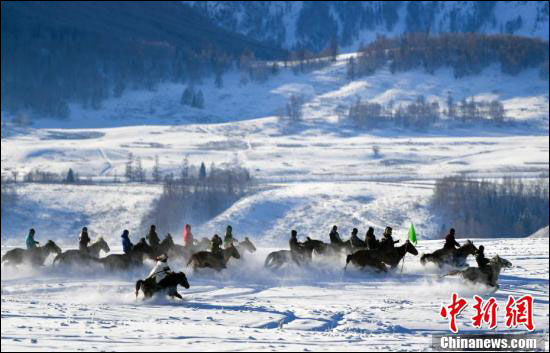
[323,171]
[246,307]
[312,24]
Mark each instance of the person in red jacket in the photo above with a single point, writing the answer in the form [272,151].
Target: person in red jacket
[187,236]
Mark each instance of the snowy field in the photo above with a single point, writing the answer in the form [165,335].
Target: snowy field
[250,308]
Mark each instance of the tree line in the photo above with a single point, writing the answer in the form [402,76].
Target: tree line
[508,207]
[423,113]
[197,194]
[465,53]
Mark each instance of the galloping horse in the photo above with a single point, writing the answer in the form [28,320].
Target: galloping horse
[77,256]
[476,275]
[125,261]
[207,259]
[246,246]
[450,257]
[170,283]
[35,257]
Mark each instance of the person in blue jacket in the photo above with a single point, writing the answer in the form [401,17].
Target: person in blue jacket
[126,242]
[29,241]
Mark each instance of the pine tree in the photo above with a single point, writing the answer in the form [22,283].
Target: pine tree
[129,170]
[202,172]
[70,177]
[156,170]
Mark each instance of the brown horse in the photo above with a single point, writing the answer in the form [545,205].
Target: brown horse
[392,256]
[35,257]
[208,259]
[169,283]
[77,256]
[364,258]
[450,257]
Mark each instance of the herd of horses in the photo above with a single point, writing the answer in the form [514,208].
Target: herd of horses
[381,259]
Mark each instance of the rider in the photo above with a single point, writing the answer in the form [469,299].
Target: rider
[161,269]
[127,245]
[228,239]
[483,263]
[388,242]
[450,242]
[296,249]
[216,245]
[187,236]
[355,241]
[370,239]
[83,240]
[152,237]
[29,241]
[335,237]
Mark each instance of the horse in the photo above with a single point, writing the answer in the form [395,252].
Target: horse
[77,256]
[164,246]
[450,257]
[277,259]
[35,257]
[393,256]
[208,259]
[125,261]
[149,286]
[476,275]
[364,258]
[246,246]
[326,249]
[202,245]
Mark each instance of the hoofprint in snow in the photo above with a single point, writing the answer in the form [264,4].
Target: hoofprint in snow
[246,307]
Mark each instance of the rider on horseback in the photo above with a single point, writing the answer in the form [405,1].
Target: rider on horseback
[29,241]
[296,249]
[228,239]
[355,241]
[335,237]
[483,263]
[152,237]
[370,240]
[187,236]
[216,245]
[450,242]
[387,242]
[161,269]
[83,240]
[126,242]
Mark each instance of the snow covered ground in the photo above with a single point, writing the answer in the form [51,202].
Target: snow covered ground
[249,308]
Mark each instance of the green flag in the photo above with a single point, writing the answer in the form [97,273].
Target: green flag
[412,235]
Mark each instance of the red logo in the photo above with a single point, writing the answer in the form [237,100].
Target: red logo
[518,312]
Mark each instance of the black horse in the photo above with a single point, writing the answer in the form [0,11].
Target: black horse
[450,257]
[169,283]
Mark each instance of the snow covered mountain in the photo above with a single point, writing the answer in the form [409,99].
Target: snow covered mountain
[294,24]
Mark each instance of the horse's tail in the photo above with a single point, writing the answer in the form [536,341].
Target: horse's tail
[268,260]
[57,258]
[138,286]
[348,259]
[425,258]
[190,260]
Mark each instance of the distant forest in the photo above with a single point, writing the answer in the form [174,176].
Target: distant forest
[60,52]
[57,53]
[465,53]
[509,207]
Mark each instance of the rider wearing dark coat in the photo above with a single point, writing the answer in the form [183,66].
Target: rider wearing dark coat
[152,237]
[296,249]
[355,241]
[387,242]
[450,242]
[370,239]
[83,240]
[335,237]
[228,239]
[216,245]
[127,245]
[483,263]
